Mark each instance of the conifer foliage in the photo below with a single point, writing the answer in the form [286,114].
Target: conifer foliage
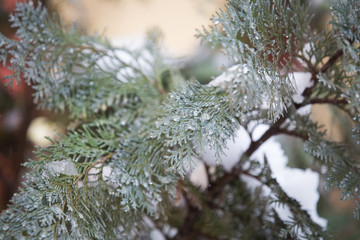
[141,127]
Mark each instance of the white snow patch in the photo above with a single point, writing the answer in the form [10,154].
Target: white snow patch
[259,131]
[155,234]
[302,81]
[199,176]
[235,148]
[106,172]
[304,111]
[297,183]
[122,54]
[62,167]
[232,73]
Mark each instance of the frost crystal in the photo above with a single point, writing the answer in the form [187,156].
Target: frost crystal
[205,117]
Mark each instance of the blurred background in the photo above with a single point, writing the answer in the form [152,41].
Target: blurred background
[22,126]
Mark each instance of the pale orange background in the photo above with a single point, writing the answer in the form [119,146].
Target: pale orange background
[177,19]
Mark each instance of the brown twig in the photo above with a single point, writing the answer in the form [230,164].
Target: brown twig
[335,102]
[338,54]
[187,230]
[328,101]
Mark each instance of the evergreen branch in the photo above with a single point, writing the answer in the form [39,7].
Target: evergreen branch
[314,72]
[294,206]
[274,130]
[218,186]
[307,61]
[141,122]
[86,172]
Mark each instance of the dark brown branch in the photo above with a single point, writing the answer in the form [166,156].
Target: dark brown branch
[323,69]
[228,177]
[335,102]
[328,101]
[187,230]
[332,60]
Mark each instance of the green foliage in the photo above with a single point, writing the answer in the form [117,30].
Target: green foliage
[141,127]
